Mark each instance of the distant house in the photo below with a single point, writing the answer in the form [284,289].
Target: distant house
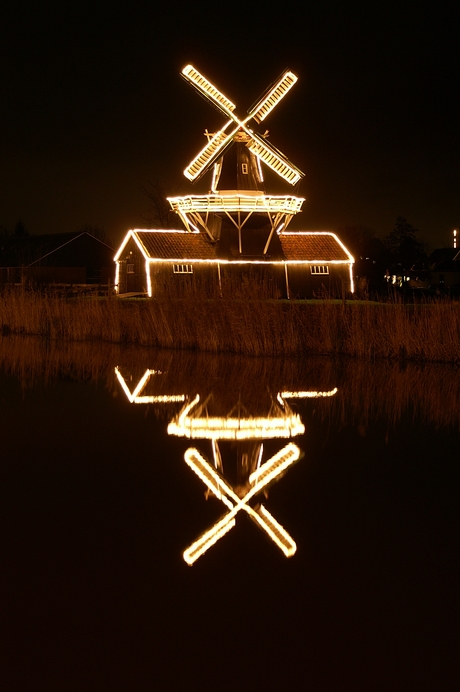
[444,266]
[63,258]
[298,264]
[442,254]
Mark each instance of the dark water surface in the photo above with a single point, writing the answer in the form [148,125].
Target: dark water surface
[98,506]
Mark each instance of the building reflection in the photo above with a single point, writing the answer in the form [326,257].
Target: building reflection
[239,425]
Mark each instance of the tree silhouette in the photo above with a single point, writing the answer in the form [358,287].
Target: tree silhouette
[20,230]
[403,245]
[160,214]
[362,242]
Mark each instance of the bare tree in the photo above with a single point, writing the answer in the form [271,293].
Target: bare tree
[159,214]
[362,241]
[97,232]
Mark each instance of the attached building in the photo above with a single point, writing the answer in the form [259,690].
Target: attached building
[301,264]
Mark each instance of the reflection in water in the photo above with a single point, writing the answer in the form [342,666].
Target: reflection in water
[235,500]
[247,414]
[136,396]
[368,391]
[91,540]
[195,422]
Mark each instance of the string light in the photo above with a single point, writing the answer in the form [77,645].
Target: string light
[259,479]
[216,147]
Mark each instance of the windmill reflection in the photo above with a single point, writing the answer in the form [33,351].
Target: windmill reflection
[236,423]
[238,498]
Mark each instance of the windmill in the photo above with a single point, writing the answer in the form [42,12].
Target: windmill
[246,197]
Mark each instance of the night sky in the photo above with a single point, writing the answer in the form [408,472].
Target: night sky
[92,108]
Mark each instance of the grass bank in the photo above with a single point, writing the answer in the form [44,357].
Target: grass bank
[422,332]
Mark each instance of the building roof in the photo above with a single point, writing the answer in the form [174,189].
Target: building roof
[442,255]
[296,246]
[447,266]
[54,249]
[313,246]
[172,245]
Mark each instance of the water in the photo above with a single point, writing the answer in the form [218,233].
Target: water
[98,507]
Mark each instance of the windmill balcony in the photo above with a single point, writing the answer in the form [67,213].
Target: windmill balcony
[236,200]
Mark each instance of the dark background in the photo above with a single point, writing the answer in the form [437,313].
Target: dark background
[92,107]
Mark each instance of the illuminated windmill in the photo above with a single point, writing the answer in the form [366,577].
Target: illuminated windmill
[248,429]
[245,199]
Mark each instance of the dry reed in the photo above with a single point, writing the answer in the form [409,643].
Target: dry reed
[422,332]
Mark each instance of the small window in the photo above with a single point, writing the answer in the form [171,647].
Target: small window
[244,168]
[319,269]
[183,268]
[130,268]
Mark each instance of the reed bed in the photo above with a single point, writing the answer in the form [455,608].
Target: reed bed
[421,332]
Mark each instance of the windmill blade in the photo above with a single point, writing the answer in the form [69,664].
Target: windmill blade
[213,150]
[274,159]
[208,90]
[272,468]
[272,96]
[209,538]
[210,477]
[277,533]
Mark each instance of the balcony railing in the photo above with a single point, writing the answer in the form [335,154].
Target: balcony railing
[237,201]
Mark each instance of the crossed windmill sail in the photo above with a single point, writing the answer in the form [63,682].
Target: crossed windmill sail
[261,478]
[222,140]
[245,495]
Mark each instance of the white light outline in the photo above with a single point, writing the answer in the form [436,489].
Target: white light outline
[191,426]
[214,148]
[308,394]
[136,235]
[279,91]
[237,201]
[135,397]
[260,478]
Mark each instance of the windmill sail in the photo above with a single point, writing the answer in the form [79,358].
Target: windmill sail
[272,96]
[208,90]
[277,533]
[259,148]
[274,159]
[215,148]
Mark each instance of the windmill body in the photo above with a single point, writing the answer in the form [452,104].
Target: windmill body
[236,155]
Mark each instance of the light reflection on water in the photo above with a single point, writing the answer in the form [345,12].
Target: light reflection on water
[253,411]
[99,506]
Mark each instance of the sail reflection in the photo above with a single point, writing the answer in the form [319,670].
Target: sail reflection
[257,481]
[245,415]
